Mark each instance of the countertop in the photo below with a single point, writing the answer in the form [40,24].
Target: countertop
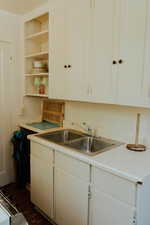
[133,166]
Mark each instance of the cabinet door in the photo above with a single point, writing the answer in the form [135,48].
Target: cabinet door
[78,31]
[146,80]
[70,48]
[105,210]
[103,50]
[42,185]
[132,41]
[57,60]
[71,199]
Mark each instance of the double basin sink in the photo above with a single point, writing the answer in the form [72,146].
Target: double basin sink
[79,141]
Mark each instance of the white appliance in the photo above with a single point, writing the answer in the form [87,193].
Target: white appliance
[4,218]
[9,215]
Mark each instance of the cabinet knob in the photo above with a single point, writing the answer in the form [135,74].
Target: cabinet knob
[69,66]
[120,61]
[65,66]
[114,62]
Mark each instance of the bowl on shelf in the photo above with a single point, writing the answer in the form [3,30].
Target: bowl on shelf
[39,70]
[39,66]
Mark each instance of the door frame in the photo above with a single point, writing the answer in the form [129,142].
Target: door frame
[7,165]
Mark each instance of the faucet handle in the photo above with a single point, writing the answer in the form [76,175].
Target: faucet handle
[90,130]
[93,132]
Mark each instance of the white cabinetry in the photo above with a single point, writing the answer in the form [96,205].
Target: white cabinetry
[98,51]
[36,45]
[117,53]
[107,210]
[84,194]
[71,191]
[57,79]
[103,31]
[146,80]
[133,15]
[70,41]
[113,200]
[42,178]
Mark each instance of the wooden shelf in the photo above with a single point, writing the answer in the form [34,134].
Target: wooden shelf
[39,55]
[38,36]
[37,25]
[37,95]
[36,40]
[37,75]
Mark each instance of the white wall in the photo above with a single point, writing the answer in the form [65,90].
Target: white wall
[28,5]
[31,110]
[10,5]
[20,6]
[117,122]
[10,32]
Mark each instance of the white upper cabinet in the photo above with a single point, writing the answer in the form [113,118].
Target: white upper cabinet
[70,48]
[133,16]
[98,52]
[78,24]
[117,49]
[101,76]
[57,58]
[146,79]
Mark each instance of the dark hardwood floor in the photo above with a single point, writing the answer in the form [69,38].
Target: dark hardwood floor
[21,199]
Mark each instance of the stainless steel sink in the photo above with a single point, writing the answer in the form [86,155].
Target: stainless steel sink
[61,136]
[91,145]
[80,142]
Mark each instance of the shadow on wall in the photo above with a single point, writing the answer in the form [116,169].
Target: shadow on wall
[112,121]
[20,6]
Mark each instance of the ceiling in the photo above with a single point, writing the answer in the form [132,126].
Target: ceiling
[20,6]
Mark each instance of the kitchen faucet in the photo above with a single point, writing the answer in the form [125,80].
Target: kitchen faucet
[86,128]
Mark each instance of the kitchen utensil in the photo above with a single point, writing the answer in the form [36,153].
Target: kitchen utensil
[137,147]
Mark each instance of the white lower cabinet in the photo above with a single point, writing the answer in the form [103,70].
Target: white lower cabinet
[42,178]
[112,200]
[106,210]
[71,199]
[71,191]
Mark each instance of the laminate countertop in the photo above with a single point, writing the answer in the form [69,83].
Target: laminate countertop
[133,166]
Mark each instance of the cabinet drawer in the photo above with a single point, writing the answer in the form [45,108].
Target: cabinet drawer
[42,152]
[115,186]
[72,166]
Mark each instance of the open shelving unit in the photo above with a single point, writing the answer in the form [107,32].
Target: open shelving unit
[36,74]
[36,38]
[38,55]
